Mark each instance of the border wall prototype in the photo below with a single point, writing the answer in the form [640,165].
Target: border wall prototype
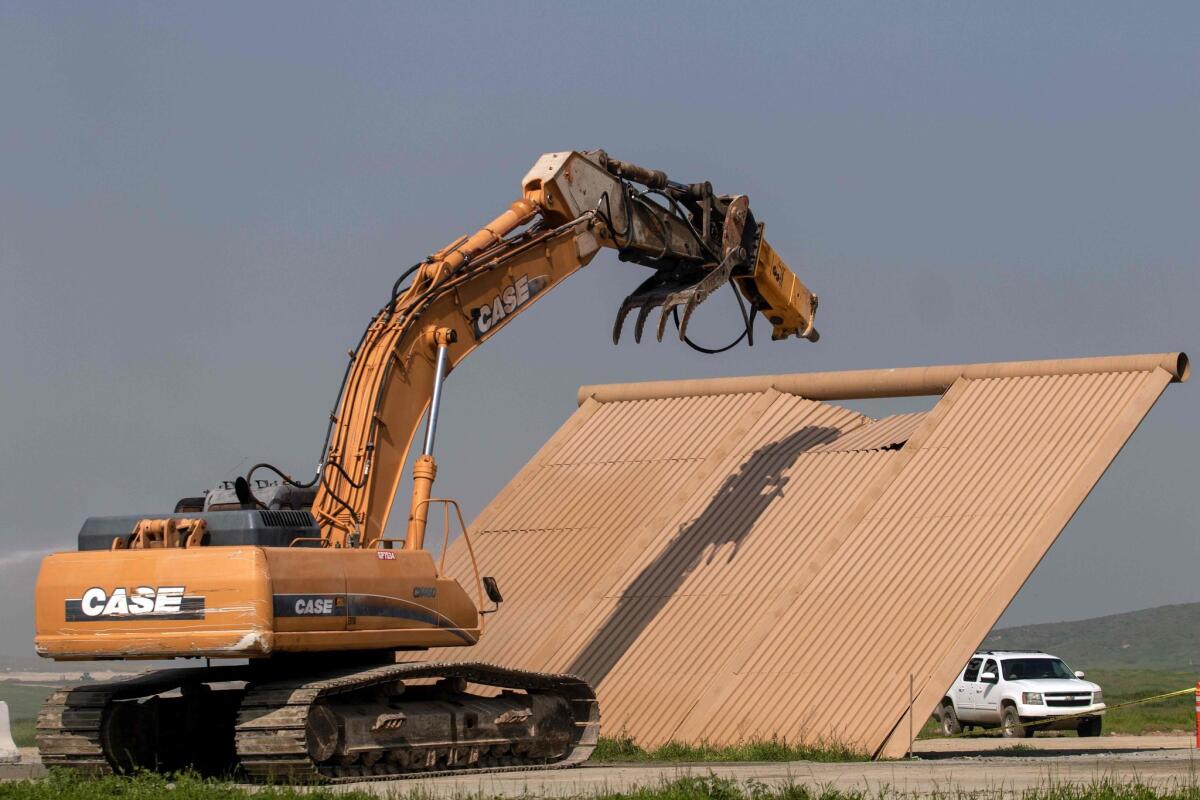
[742,559]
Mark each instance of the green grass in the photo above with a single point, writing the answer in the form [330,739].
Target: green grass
[624,749]
[1175,714]
[23,700]
[1121,686]
[63,785]
[150,787]
[23,732]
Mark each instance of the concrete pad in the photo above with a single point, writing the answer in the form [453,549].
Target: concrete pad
[29,767]
[22,771]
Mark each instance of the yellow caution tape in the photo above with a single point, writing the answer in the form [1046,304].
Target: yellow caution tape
[1056,718]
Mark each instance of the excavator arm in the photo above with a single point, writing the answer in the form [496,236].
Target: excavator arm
[573,205]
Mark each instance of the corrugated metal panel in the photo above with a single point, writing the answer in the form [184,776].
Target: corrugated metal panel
[888,433]
[1037,486]
[753,565]
[622,476]
[880,604]
[680,607]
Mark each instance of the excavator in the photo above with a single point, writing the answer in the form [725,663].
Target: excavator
[298,590]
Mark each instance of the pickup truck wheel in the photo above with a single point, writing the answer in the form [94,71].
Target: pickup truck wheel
[1010,722]
[1090,727]
[949,721]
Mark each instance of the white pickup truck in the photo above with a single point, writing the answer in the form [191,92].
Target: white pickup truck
[1006,688]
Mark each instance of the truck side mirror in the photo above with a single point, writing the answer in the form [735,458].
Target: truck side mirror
[492,590]
[1078,673]
[988,677]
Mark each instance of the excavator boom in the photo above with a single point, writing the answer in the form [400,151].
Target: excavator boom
[573,204]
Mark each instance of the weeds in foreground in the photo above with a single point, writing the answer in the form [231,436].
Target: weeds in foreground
[66,785]
[624,749]
[185,787]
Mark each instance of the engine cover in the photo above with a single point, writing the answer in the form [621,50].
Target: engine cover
[260,528]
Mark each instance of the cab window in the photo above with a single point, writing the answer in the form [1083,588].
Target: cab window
[1018,669]
[991,667]
[972,671]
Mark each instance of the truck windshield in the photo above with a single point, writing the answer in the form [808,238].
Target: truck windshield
[1016,669]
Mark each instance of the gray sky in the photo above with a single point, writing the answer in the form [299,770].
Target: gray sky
[201,205]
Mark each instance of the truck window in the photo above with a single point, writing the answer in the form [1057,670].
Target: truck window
[992,668]
[972,672]
[1017,669]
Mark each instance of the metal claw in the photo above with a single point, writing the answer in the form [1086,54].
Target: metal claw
[648,295]
[651,286]
[688,298]
[649,305]
[622,313]
[669,289]
[662,318]
[696,294]
[693,301]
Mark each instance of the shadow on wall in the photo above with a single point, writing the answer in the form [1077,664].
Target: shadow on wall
[729,517]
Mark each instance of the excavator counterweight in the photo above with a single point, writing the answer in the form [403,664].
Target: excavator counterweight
[303,579]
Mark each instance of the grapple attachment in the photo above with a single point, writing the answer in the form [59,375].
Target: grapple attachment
[747,261]
[696,241]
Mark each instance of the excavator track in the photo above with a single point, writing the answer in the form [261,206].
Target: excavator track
[274,727]
[170,719]
[74,726]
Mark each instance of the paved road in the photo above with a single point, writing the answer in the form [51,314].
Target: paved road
[941,767]
[974,745]
[973,765]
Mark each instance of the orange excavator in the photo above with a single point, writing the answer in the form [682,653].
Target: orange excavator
[300,582]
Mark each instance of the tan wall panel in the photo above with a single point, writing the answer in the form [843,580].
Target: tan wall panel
[964,507]
[569,492]
[748,565]
[1107,435]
